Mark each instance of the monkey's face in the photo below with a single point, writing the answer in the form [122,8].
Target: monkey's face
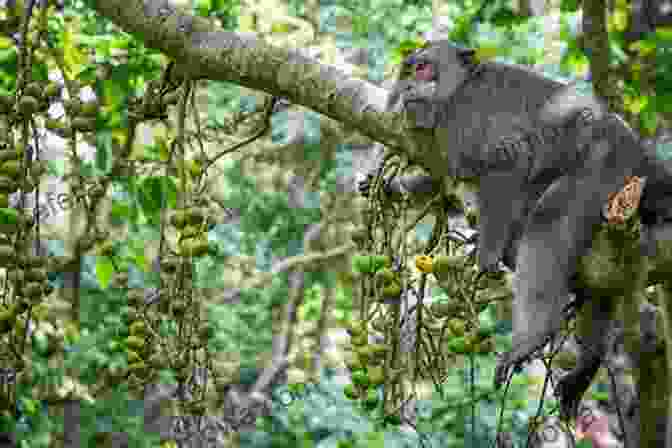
[444,62]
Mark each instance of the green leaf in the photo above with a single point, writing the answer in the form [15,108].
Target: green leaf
[151,192]
[649,120]
[569,5]
[9,216]
[104,270]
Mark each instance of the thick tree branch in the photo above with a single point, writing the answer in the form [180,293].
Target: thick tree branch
[203,51]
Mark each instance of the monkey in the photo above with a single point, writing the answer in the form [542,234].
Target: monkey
[546,159]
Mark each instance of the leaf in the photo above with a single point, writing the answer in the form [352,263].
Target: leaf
[664,32]
[643,47]
[485,52]
[9,216]
[6,42]
[649,121]
[73,59]
[104,271]
[569,5]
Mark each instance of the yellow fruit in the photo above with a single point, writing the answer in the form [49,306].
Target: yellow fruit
[424,263]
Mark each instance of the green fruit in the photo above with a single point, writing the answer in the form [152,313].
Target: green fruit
[444,265]
[379,350]
[194,247]
[33,290]
[356,327]
[11,168]
[137,366]
[4,200]
[446,309]
[457,326]
[195,215]
[359,340]
[179,219]
[9,154]
[191,231]
[89,109]
[364,353]
[28,105]
[34,89]
[52,90]
[138,328]
[360,235]
[35,275]
[7,184]
[353,362]
[135,342]
[392,291]
[73,106]
[133,356]
[6,103]
[172,97]
[376,375]
[385,276]
[83,124]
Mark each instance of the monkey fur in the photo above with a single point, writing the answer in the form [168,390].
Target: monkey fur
[547,159]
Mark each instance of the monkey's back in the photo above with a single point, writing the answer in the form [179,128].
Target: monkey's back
[503,101]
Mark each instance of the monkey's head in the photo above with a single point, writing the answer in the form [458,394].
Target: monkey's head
[447,64]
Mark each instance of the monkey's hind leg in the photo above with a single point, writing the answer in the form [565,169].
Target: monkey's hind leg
[558,232]
[594,329]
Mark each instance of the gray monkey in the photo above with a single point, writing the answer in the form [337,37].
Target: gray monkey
[546,159]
